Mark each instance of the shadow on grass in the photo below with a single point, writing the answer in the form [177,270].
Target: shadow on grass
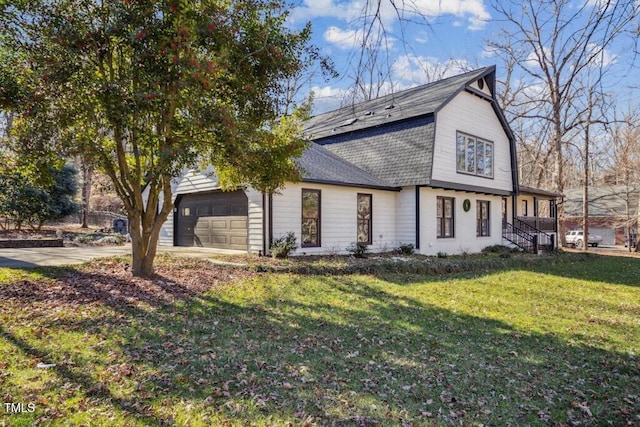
[327,350]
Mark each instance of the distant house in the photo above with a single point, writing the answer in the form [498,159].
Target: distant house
[613,211]
[433,166]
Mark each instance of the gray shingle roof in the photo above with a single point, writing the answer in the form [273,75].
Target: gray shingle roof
[320,165]
[606,201]
[390,108]
[390,139]
[398,154]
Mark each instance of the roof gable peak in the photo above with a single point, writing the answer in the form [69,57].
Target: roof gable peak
[412,102]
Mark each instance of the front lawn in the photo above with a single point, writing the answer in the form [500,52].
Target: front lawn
[206,344]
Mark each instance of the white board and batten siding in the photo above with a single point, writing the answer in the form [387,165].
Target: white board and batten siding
[474,116]
[465,239]
[338,217]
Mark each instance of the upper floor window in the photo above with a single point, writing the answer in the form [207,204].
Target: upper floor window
[310,218]
[364,219]
[474,155]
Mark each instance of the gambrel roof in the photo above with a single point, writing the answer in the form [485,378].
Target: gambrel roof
[409,103]
[392,137]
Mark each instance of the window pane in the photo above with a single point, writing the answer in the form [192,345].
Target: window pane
[471,155]
[482,215]
[310,217]
[480,157]
[460,153]
[364,218]
[488,160]
[445,217]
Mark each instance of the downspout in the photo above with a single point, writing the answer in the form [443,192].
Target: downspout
[270,210]
[264,225]
[417,217]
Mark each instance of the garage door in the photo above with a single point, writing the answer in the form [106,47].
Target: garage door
[608,234]
[213,220]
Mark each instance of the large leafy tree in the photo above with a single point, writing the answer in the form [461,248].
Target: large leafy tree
[145,88]
[31,199]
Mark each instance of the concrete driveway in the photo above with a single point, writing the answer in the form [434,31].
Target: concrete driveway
[44,257]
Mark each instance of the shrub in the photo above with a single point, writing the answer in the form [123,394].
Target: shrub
[498,249]
[358,250]
[442,254]
[284,245]
[406,249]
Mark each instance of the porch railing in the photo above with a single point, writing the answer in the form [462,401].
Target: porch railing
[528,242]
[540,223]
[527,238]
[545,240]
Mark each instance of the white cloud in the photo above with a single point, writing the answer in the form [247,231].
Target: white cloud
[534,58]
[474,12]
[601,57]
[414,69]
[344,39]
[311,9]
[422,37]
[327,98]
[489,52]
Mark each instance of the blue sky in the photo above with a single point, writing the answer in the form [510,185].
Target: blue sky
[449,41]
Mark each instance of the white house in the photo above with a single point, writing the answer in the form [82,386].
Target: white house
[433,166]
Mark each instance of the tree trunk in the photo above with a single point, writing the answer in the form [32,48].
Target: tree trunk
[143,247]
[86,193]
[558,177]
[145,230]
[585,198]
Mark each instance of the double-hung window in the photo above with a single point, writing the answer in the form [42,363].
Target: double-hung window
[445,217]
[474,156]
[482,218]
[310,218]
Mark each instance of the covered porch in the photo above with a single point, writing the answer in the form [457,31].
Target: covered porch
[530,220]
[537,208]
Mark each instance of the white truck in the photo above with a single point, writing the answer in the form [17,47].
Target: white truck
[575,238]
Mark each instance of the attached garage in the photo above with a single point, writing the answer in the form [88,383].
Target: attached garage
[214,219]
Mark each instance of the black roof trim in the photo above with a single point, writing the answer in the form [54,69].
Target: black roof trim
[538,191]
[345,184]
[468,188]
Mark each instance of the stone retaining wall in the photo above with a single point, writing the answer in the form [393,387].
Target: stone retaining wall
[34,243]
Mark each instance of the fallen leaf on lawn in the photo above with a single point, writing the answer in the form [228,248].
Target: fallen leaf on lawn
[582,406]
[45,365]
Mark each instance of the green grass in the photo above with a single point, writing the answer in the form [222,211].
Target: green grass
[546,344]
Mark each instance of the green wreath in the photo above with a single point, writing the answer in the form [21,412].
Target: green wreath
[466,205]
